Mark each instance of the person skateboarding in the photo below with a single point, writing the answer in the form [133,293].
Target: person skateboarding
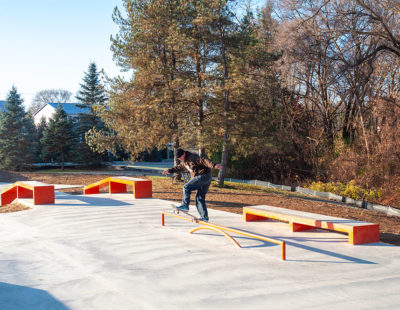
[200,170]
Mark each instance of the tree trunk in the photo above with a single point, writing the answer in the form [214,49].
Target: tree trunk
[200,104]
[225,142]
[364,134]
[224,160]
[200,132]
[62,161]
[346,123]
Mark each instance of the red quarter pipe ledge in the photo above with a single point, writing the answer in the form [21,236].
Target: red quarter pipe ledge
[142,188]
[41,193]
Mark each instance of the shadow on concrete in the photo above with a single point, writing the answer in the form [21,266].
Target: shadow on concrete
[262,243]
[345,258]
[17,297]
[390,238]
[223,204]
[11,177]
[89,201]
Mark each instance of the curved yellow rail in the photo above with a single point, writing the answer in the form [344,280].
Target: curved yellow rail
[222,229]
[217,230]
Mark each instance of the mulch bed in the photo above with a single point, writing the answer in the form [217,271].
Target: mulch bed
[13,207]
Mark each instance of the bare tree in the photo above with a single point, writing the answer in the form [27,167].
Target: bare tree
[49,96]
[384,15]
[341,61]
[309,67]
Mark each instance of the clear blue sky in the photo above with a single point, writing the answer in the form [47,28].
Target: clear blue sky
[48,44]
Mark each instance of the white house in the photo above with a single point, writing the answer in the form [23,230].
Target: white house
[50,108]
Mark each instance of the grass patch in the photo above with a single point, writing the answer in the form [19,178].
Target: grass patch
[257,188]
[57,171]
[158,177]
[242,187]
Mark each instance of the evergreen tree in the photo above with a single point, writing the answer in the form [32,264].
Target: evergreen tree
[83,152]
[256,123]
[40,129]
[58,138]
[224,30]
[148,111]
[17,145]
[202,77]
[91,97]
[171,49]
[92,91]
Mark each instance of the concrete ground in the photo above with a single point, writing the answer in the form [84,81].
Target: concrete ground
[111,252]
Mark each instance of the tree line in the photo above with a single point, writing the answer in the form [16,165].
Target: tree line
[341,62]
[293,91]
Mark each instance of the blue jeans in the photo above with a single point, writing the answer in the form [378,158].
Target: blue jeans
[201,183]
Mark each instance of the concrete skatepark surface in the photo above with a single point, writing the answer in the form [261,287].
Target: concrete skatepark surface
[110,252]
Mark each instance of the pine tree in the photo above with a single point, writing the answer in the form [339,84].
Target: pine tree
[201,46]
[167,44]
[147,111]
[91,96]
[92,91]
[58,138]
[256,125]
[17,145]
[195,70]
[40,129]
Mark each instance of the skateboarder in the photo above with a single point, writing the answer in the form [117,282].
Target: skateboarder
[200,170]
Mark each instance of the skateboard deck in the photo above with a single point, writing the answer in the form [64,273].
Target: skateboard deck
[176,211]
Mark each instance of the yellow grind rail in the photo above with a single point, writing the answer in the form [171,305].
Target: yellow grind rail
[217,230]
[223,230]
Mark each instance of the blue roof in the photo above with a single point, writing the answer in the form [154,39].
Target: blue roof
[70,108]
[2,105]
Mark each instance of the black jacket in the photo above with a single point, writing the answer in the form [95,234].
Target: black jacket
[195,164]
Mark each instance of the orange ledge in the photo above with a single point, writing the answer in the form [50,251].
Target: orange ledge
[142,188]
[41,193]
[358,232]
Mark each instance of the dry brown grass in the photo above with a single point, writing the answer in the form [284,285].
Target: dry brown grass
[13,207]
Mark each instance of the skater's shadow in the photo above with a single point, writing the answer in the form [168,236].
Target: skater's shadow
[17,297]
[88,200]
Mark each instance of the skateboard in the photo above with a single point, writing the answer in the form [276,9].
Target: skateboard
[176,211]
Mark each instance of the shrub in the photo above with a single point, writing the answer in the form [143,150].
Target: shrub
[350,190]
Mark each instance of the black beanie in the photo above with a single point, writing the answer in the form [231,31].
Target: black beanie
[179,152]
